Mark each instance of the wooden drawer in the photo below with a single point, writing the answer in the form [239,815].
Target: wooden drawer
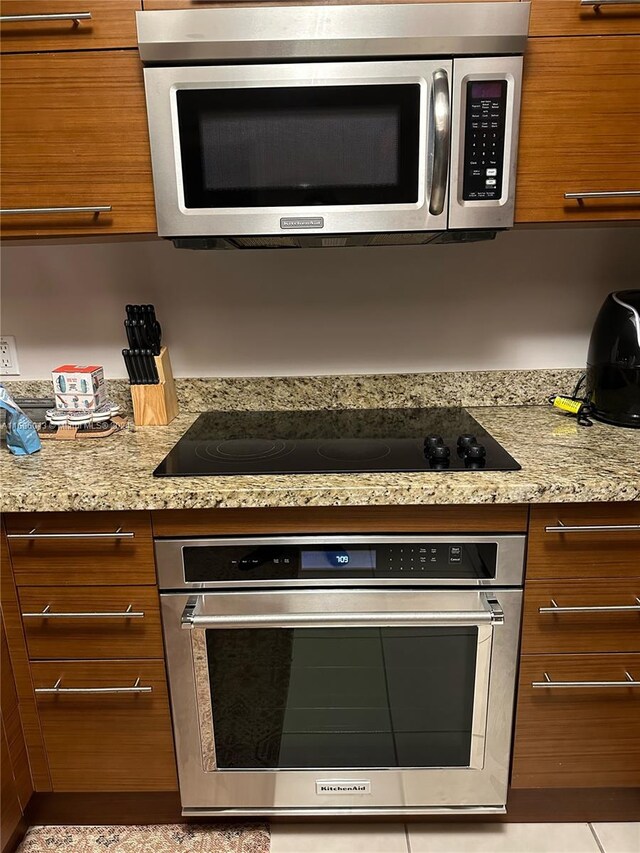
[106,741]
[579,135]
[116,636]
[577,737]
[472,518]
[576,630]
[18,762]
[570,18]
[88,552]
[112,24]
[11,814]
[610,552]
[75,135]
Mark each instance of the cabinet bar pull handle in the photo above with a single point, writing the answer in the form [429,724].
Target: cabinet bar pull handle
[137,688]
[613,194]
[590,528]
[597,3]
[117,534]
[76,17]
[600,608]
[129,613]
[26,211]
[548,683]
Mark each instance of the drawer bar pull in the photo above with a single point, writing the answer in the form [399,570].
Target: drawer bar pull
[612,194]
[26,211]
[548,683]
[597,3]
[76,17]
[590,528]
[137,688]
[129,613]
[33,534]
[599,608]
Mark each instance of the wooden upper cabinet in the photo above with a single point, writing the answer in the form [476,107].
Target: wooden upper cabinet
[571,18]
[579,129]
[74,134]
[112,23]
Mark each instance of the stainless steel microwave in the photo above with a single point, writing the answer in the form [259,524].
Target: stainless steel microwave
[342,125]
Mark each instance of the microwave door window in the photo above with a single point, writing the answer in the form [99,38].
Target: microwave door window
[342,698]
[299,146]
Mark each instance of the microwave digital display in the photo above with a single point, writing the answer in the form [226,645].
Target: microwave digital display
[487,89]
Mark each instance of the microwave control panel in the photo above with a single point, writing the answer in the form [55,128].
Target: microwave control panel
[484,139]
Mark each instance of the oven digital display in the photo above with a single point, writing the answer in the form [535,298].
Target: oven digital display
[338,558]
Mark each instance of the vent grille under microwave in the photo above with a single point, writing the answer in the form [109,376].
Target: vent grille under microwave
[315,241]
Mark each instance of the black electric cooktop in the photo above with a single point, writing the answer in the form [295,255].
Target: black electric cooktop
[344,441]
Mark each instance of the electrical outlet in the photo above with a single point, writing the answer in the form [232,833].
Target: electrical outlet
[8,356]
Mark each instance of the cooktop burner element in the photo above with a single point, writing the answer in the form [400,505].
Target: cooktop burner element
[353,450]
[344,441]
[243,450]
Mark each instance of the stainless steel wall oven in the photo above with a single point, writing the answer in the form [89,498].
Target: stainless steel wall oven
[342,674]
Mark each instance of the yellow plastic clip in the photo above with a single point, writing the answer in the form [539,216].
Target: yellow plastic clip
[566,404]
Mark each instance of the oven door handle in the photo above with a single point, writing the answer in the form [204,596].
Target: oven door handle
[492,614]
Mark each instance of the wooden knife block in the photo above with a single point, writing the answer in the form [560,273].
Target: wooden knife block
[156,405]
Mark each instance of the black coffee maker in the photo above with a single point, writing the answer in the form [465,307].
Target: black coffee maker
[613,364]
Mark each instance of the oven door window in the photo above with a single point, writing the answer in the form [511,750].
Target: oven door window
[299,146]
[345,697]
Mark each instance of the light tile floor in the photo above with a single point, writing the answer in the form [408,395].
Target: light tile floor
[340,838]
[456,838]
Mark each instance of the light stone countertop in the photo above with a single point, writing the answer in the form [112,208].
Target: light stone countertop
[560,462]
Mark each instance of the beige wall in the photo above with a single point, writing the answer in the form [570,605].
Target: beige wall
[527,300]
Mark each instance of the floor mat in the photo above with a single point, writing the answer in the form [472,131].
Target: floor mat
[168,838]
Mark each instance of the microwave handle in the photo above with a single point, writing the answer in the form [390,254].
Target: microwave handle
[441,117]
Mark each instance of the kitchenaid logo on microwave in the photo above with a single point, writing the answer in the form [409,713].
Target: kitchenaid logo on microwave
[359,786]
[302,222]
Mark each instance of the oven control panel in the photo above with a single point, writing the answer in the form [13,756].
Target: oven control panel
[397,561]
[485,123]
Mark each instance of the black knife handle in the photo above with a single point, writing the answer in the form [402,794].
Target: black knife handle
[143,334]
[144,367]
[138,371]
[153,324]
[126,354]
[129,331]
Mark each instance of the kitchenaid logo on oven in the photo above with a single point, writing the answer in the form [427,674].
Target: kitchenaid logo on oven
[360,786]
